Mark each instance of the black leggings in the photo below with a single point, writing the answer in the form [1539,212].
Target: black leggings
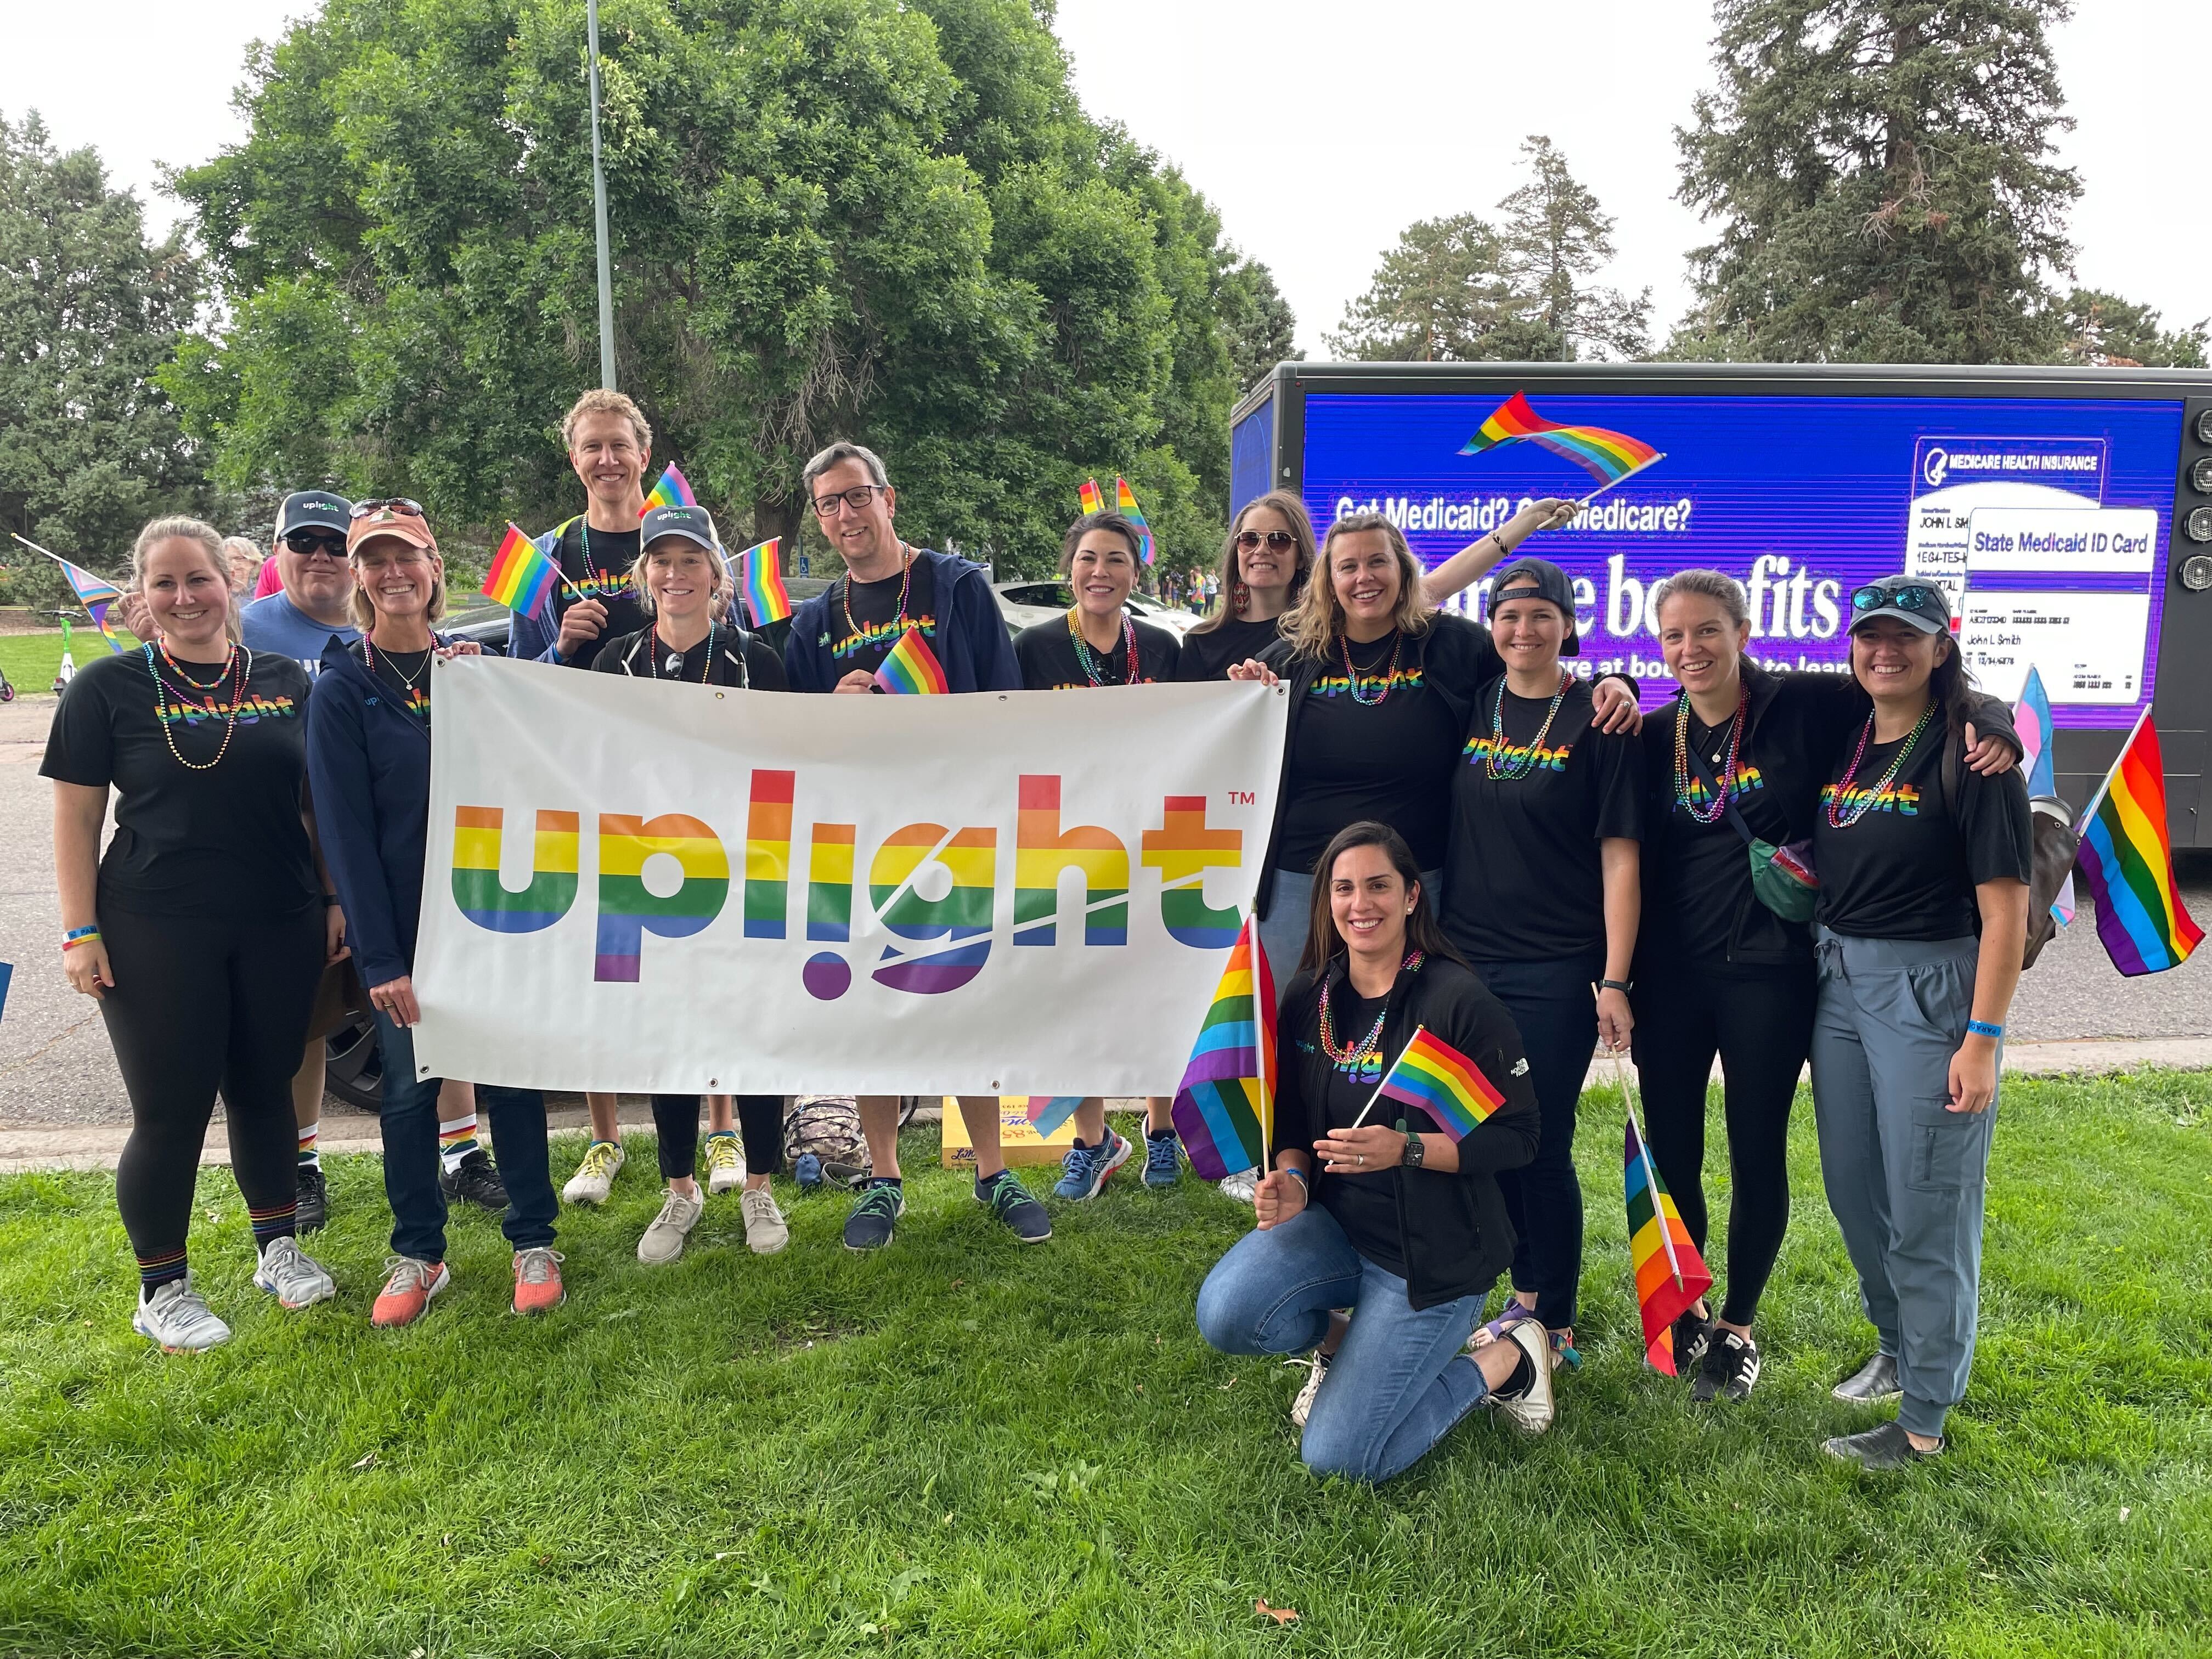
[1761,1025]
[760,1126]
[201,1003]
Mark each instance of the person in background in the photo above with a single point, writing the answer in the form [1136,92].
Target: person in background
[683,585]
[1917,855]
[201,932]
[1383,1211]
[244,561]
[369,753]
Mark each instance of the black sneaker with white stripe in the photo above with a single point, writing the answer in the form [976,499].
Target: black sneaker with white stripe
[1730,1368]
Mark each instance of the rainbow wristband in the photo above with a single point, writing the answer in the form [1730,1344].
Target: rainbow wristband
[78,936]
[1983,1027]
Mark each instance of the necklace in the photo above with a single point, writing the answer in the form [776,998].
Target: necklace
[676,658]
[605,579]
[906,581]
[407,683]
[1092,666]
[1513,770]
[1842,818]
[1351,1055]
[1352,678]
[237,666]
[1685,790]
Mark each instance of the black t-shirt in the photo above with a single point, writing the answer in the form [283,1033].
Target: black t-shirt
[762,671]
[405,674]
[598,563]
[864,619]
[1209,654]
[1707,867]
[224,840]
[1354,759]
[1364,1206]
[1907,869]
[1047,654]
[1523,879]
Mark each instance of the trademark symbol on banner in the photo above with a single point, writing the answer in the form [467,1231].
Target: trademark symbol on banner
[1243,797]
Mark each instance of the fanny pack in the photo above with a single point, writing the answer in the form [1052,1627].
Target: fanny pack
[1782,877]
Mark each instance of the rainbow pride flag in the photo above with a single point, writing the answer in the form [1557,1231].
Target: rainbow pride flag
[94,593]
[1125,502]
[1090,497]
[1607,457]
[1670,1274]
[1048,1112]
[1443,1082]
[2129,863]
[672,490]
[765,597]
[911,666]
[520,576]
[1224,1109]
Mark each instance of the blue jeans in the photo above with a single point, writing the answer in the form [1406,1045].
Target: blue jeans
[1401,1379]
[409,1115]
[1283,930]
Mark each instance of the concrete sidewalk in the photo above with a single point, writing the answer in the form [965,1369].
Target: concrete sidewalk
[80,1147]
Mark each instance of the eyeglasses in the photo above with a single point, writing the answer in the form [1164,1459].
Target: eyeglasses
[1915,598]
[398,504]
[1278,541]
[308,542]
[858,497]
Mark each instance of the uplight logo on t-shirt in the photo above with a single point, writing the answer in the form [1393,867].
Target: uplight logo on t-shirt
[1370,686]
[1901,798]
[881,636]
[253,707]
[1535,756]
[1747,778]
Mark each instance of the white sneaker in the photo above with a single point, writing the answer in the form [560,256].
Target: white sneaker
[1532,1412]
[1239,1188]
[726,1164]
[1316,1365]
[765,1231]
[178,1318]
[595,1175]
[290,1275]
[664,1239]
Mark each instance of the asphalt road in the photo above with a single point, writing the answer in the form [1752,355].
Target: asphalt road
[56,1067]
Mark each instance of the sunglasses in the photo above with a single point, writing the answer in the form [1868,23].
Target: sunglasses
[1913,597]
[308,542]
[398,504]
[1278,541]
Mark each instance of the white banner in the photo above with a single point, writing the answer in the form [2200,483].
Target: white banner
[639,885]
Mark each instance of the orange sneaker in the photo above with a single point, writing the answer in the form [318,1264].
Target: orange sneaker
[408,1291]
[537,1280]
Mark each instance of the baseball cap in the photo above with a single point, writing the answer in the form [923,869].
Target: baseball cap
[391,519]
[1910,600]
[694,524]
[1539,579]
[320,509]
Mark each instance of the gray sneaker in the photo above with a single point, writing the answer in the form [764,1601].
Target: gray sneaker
[765,1231]
[1871,1384]
[290,1275]
[1531,1412]
[177,1317]
[664,1239]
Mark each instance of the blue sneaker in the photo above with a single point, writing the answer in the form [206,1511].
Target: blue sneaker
[1011,1203]
[1085,1168]
[875,1217]
[1162,1165]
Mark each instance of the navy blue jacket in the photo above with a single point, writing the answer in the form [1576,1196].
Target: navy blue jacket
[368,763]
[972,644]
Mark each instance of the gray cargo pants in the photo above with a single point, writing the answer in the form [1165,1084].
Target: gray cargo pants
[1904,1174]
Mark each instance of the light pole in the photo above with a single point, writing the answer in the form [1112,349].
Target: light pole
[599,211]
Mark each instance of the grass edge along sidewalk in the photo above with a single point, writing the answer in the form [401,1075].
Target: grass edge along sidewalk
[963,1447]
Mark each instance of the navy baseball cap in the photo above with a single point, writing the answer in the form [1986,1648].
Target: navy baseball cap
[694,524]
[319,509]
[1539,579]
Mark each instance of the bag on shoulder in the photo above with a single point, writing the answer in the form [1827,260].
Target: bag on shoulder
[826,1128]
[1782,877]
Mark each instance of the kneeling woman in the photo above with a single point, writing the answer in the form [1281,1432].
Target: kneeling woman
[1401,1223]
[682,585]
[368,757]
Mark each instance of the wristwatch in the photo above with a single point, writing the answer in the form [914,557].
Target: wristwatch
[1620,985]
[1415,1150]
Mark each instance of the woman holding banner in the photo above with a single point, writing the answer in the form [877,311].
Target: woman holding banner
[1389,1209]
[681,586]
[368,754]
[204,932]
[1733,772]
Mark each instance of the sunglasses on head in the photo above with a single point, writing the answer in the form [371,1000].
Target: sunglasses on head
[308,542]
[1278,541]
[1914,598]
[398,504]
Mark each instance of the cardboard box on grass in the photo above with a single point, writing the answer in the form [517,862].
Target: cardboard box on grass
[1020,1142]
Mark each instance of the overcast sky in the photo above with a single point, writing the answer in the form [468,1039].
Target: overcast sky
[1320,129]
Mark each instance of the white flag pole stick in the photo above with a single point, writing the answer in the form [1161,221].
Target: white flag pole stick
[1377,1095]
[1651,1173]
[2105,788]
[1586,500]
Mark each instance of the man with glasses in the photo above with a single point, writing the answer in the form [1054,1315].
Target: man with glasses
[310,606]
[838,639]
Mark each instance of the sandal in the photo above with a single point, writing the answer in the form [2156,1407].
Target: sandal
[1562,1351]
[1517,1313]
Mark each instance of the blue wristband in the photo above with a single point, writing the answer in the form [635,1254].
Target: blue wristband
[1292,1170]
[1983,1027]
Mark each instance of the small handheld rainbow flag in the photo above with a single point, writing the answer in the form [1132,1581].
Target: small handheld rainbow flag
[1443,1082]
[2129,863]
[1670,1275]
[1607,457]
[520,576]
[911,666]
[765,597]
[1048,1112]
[1224,1108]
[672,490]
[1126,500]
[1090,497]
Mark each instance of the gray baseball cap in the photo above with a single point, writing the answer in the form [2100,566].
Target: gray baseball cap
[694,524]
[318,509]
[1911,599]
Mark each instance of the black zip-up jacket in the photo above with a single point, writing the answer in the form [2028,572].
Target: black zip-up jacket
[743,659]
[1796,726]
[1453,1234]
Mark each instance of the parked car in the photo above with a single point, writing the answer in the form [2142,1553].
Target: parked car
[1026,602]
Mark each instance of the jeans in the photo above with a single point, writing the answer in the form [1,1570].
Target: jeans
[1402,1378]
[1283,930]
[1554,1006]
[410,1116]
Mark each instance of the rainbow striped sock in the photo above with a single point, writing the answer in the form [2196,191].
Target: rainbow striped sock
[156,1271]
[457,1139]
[309,1157]
[272,1224]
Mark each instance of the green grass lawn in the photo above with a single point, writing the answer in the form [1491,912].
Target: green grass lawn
[30,659]
[961,1446]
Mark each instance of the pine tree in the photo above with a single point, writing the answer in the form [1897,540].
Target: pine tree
[1256,321]
[1443,295]
[1556,240]
[1882,175]
[2104,331]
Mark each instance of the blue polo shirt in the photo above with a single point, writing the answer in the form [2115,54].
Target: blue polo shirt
[277,626]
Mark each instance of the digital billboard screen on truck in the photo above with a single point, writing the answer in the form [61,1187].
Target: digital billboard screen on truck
[2046,518]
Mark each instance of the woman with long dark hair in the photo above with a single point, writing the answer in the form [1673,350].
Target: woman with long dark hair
[1382,1210]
